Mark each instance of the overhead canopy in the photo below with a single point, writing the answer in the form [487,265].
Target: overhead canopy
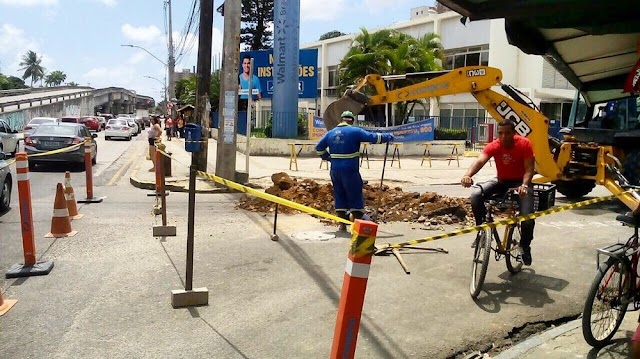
[592,43]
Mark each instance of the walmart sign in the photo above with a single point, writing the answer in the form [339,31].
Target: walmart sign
[307,71]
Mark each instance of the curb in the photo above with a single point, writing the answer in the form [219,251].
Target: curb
[531,343]
[136,182]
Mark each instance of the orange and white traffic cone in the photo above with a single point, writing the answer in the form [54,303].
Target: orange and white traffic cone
[5,305]
[60,222]
[70,197]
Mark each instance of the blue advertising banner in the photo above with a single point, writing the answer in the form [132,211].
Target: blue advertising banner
[412,132]
[263,71]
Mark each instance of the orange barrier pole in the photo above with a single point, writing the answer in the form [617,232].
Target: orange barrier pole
[5,305]
[30,266]
[88,170]
[354,286]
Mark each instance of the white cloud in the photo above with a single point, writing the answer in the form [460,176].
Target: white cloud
[29,2]
[322,10]
[146,34]
[13,44]
[379,6]
[110,3]
[138,57]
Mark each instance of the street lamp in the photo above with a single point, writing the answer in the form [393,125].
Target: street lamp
[147,51]
[170,68]
[164,90]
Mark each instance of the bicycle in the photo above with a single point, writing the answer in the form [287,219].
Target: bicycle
[508,247]
[615,287]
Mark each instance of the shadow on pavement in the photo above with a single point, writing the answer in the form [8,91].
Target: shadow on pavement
[530,287]
[619,348]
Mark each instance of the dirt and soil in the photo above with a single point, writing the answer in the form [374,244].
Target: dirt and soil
[390,204]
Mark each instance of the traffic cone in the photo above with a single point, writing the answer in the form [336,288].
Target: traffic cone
[71,198]
[60,222]
[5,305]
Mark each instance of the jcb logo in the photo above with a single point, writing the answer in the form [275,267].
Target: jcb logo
[522,128]
[476,72]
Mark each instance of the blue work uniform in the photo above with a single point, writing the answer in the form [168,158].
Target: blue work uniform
[343,143]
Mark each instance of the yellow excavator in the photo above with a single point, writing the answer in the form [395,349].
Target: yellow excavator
[575,165]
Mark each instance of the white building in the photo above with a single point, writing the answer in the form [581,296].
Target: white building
[476,43]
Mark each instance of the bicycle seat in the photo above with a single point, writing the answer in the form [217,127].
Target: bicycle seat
[629,220]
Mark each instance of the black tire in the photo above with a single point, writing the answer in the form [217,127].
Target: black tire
[94,160]
[632,167]
[480,263]
[5,195]
[576,188]
[512,257]
[611,296]
[107,138]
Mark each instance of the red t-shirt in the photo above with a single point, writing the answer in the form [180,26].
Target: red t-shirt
[510,161]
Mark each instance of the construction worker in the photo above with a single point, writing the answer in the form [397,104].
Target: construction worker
[343,143]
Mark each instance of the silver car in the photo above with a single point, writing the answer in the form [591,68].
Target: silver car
[8,139]
[35,122]
[6,183]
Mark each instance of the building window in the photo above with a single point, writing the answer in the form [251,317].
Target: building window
[333,76]
[470,56]
[319,73]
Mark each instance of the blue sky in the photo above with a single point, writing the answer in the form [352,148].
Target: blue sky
[82,38]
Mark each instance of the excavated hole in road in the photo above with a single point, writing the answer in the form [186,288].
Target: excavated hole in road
[387,204]
[514,337]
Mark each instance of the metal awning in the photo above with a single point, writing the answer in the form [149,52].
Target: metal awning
[594,44]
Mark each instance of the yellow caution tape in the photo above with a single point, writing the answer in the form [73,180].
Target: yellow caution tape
[8,163]
[61,150]
[271,198]
[503,222]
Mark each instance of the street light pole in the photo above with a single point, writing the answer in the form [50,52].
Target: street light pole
[164,92]
[172,65]
[147,51]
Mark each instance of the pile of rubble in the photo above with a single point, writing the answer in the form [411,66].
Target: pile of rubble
[392,204]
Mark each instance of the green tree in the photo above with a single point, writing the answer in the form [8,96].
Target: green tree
[256,17]
[72,84]
[390,52]
[16,82]
[186,91]
[55,78]
[4,83]
[331,35]
[31,64]
[214,91]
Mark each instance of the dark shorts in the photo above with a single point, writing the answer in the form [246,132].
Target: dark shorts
[152,141]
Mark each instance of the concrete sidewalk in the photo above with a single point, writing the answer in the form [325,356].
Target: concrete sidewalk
[564,341]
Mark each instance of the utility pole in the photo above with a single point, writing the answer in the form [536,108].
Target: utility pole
[203,81]
[227,127]
[171,65]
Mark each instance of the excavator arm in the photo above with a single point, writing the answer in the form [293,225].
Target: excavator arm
[566,163]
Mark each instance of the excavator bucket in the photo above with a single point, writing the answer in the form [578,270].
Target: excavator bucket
[352,101]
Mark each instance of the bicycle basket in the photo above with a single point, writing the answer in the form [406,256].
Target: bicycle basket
[544,196]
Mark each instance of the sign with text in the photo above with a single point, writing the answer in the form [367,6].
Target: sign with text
[316,127]
[264,72]
[412,132]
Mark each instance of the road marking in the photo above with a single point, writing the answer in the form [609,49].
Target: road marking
[118,174]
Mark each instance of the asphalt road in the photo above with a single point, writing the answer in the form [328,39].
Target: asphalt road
[112,157]
[108,295]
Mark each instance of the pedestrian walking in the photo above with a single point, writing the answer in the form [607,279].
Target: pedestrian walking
[168,127]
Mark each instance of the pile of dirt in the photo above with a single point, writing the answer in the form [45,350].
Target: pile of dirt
[393,205]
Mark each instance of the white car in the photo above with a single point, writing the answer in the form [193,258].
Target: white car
[35,122]
[135,130]
[117,127]
[6,184]
[103,122]
[8,139]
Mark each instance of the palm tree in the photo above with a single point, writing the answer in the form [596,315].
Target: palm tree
[390,52]
[55,78]
[31,66]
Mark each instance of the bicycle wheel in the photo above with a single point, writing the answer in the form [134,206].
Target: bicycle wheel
[480,262]
[512,257]
[606,303]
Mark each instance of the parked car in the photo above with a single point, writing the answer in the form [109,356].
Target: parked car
[6,183]
[54,136]
[8,139]
[135,129]
[118,127]
[35,122]
[92,123]
[103,121]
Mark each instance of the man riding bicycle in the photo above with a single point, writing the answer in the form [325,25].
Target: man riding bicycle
[514,160]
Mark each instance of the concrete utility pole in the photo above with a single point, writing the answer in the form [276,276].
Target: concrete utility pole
[171,65]
[203,80]
[227,124]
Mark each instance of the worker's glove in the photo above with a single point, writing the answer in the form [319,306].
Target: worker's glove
[326,156]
